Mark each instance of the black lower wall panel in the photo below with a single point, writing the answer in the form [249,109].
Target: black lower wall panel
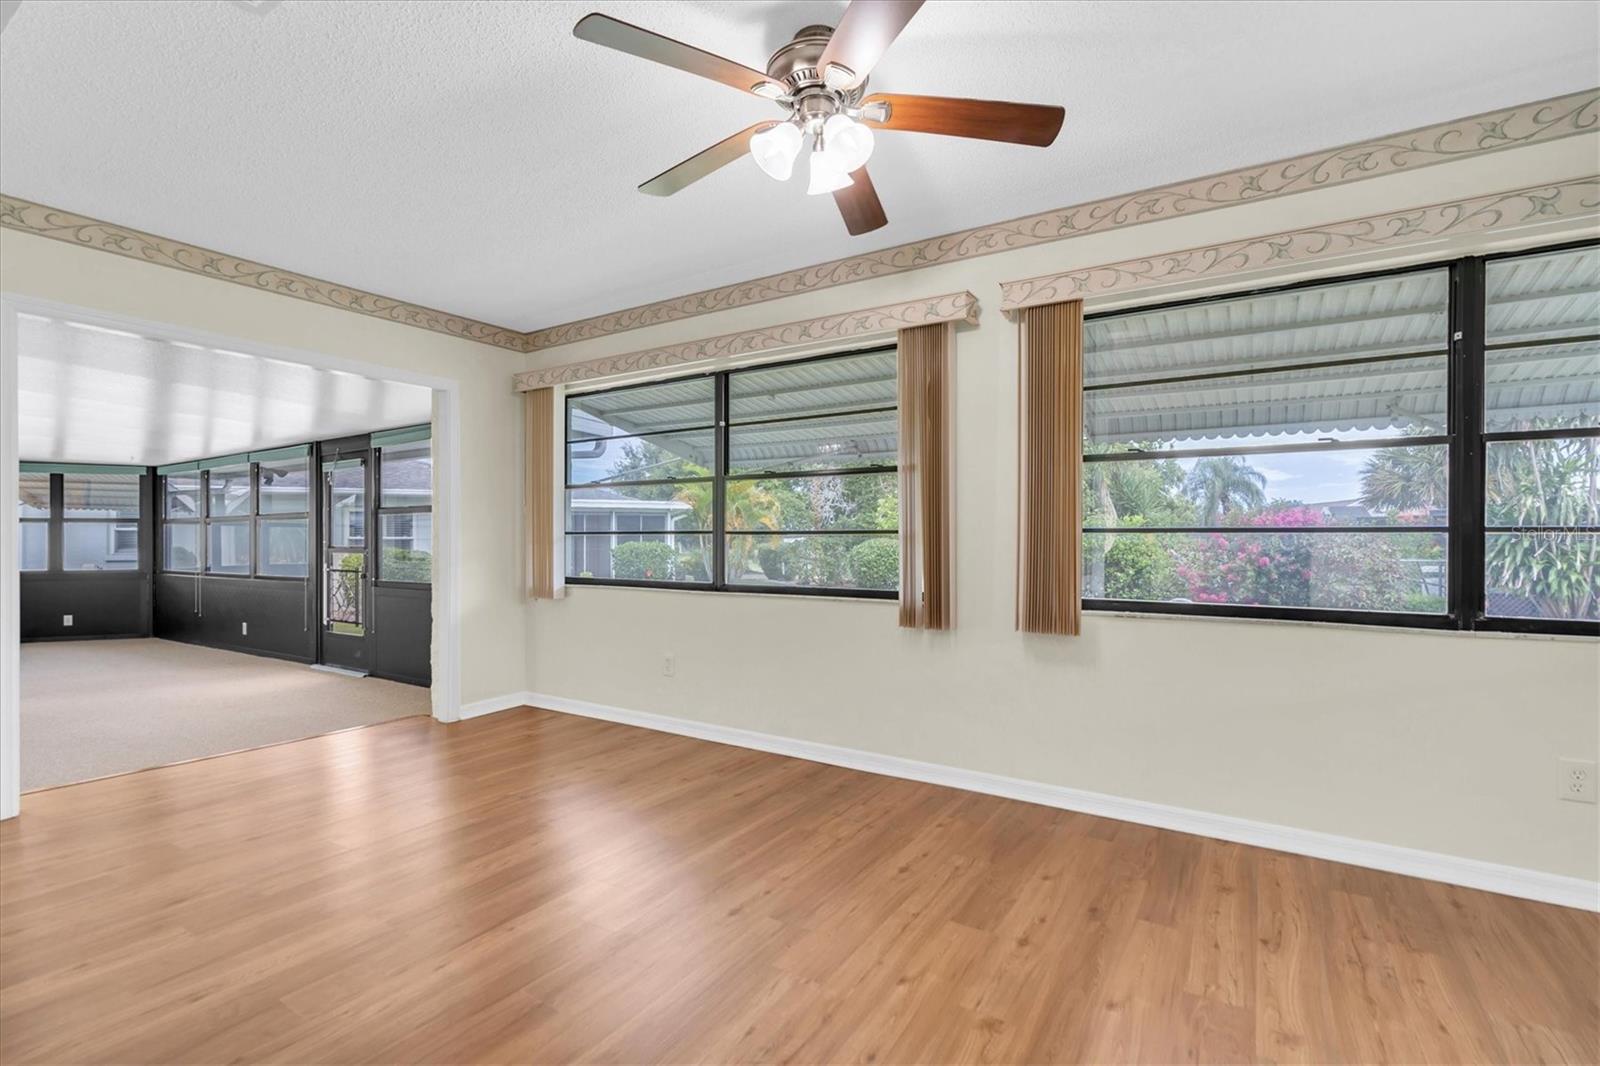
[102,604]
[400,646]
[263,616]
[175,614]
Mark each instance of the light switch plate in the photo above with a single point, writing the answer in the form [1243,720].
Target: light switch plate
[66,620]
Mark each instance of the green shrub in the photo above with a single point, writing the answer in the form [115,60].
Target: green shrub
[1140,568]
[403,564]
[772,561]
[876,563]
[1423,603]
[642,560]
[690,566]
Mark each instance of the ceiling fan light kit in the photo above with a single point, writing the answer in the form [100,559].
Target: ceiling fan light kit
[819,78]
[826,174]
[776,149]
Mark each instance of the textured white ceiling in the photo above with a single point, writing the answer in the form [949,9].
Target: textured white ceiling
[474,156]
[87,394]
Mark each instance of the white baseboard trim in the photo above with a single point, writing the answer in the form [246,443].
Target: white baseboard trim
[1432,866]
[479,708]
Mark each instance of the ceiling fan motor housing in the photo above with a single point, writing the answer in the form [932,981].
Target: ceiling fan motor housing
[795,67]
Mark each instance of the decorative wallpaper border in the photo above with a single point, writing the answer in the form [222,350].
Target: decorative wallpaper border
[28,217]
[1524,124]
[1493,131]
[1499,212]
[960,307]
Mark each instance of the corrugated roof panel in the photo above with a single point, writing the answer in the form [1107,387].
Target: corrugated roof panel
[1381,316]
[1549,295]
[1534,388]
[849,440]
[783,391]
[813,387]
[1402,396]
[678,404]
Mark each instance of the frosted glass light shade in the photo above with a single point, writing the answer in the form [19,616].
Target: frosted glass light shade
[826,173]
[849,140]
[775,150]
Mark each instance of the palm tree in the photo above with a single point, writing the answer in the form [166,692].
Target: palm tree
[749,507]
[1405,479]
[1553,482]
[1223,484]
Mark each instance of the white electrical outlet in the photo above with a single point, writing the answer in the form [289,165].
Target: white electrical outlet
[66,620]
[669,666]
[244,629]
[1576,781]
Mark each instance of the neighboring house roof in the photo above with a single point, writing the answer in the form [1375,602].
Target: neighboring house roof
[599,498]
[1510,605]
[407,477]
[1346,509]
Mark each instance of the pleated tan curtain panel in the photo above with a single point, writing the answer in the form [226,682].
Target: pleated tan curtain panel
[1049,464]
[926,427]
[539,499]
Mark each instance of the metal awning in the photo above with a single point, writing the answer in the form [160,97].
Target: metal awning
[802,408]
[1348,358]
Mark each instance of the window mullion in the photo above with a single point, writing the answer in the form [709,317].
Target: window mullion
[55,534]
[719,485]
[253,568]
[1466,455]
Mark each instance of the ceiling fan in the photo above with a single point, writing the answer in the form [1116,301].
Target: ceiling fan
[819,79]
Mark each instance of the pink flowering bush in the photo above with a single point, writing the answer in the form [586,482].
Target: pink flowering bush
[1235,564]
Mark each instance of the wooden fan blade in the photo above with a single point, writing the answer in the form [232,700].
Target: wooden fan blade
[859,204]
[636,41]
[698,166]
[989,120]
[865,32]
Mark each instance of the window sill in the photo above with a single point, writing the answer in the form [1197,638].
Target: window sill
[1360,627]
[1141,615]
[815,597]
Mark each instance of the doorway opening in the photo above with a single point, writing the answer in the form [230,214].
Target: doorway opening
[267,511]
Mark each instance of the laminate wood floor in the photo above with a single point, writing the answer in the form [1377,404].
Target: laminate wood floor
[533,887]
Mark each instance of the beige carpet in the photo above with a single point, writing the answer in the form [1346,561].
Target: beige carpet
[97,707]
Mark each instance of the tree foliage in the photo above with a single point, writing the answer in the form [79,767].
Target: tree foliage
[767,509]
[1551,482]
[1224,484]
[1546,482]
[1405,479]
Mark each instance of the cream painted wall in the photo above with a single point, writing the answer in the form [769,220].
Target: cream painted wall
[492,612]
[1442,742]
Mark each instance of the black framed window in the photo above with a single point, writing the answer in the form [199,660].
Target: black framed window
[643,456]
[283,515]
[776,478]
[33,521]
[1377,449]
[229,506]
[405,512]
[1541,438]
[100,521]
[243,516]
[79,518]
[181,511]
